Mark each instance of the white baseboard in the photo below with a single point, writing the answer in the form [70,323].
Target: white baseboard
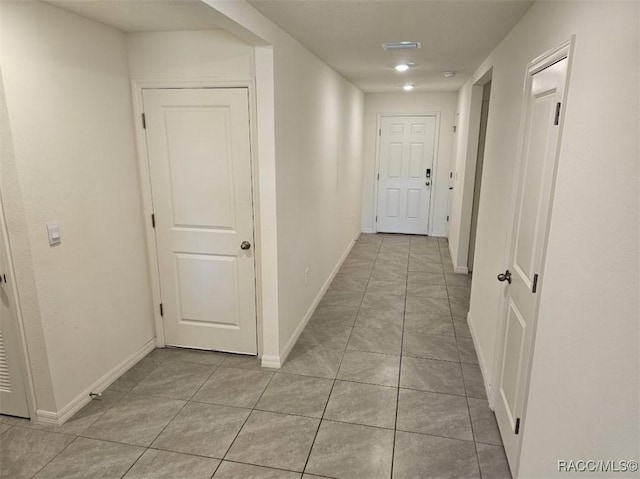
[461,269]
[276,362]
[368,230]
[438,234]
[82,399]
[271,362]
[483,364]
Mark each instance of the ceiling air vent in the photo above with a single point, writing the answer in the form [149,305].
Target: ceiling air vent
[401,45]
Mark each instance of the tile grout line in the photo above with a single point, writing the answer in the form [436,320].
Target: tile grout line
[186,402]
[244,423]
[395,425]
[379,250]
[54,457]
[335,378]
[473,436]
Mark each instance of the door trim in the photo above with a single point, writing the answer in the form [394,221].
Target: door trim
[147,200]
[25,358]
[565,50]
[376,170]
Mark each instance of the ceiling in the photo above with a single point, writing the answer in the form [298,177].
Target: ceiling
[456,35]
[145,15]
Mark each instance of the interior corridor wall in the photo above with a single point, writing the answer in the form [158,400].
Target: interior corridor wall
[583,400]
[402,104]
[13,210]
[68,96]
[318,176]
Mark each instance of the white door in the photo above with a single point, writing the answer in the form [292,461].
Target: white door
[200,166]
[13,396]
[529,235]
[406,175]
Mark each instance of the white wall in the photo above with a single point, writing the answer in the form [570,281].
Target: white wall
[318,152]
[67,87]
[583,401]
[408,103]
[318,142]
[189,55]
[22,263]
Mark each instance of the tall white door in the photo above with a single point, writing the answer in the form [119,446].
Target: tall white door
[13,396]
[406,175]
[523,281]
[200,165]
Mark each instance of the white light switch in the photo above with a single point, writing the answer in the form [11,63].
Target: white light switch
[53,232]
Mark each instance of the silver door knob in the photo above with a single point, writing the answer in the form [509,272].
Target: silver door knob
[245,245]
[506,276]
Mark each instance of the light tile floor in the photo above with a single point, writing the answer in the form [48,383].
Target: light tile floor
[384,382]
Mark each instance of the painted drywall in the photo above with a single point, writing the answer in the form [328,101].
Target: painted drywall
[583,399]
[402,104]
[189,55]
[28,307]
[68,96]
[318,154]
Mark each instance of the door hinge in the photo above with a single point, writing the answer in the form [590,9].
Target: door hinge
[144,121]
[447,217]
[517,430]
[153,220]
[376,218]
[378,175]
[454,128]
[534,288]
[380,132]
[451,174]
[557,120]
[161,310]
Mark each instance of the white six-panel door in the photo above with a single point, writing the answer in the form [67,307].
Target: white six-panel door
[404,189]
[530,227]
[198,146]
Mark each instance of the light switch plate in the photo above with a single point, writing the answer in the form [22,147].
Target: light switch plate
[53,233]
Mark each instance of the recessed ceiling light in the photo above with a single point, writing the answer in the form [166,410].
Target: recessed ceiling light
[408,87]
[449,74]
[401,45]
[402,67]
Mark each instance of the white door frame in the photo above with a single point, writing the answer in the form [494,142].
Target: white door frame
[434,175]
[15,297]
[535,66]
[145,185]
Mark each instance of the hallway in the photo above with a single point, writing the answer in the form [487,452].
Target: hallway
[384,378]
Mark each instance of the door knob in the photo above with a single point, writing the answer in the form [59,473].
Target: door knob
[506,276]
[245,245]
[427,183]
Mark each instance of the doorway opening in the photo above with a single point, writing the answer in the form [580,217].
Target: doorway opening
[484,115]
